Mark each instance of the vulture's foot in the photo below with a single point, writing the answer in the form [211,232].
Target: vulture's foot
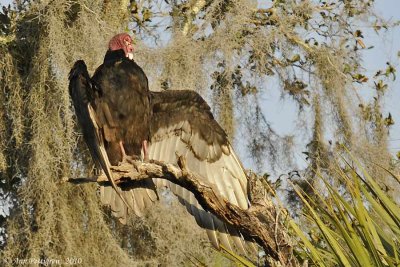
[97,172]
[125,157]
[130,159]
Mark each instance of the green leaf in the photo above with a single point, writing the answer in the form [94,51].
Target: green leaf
[332,242]
[392,209]
[236,258]
[390,70]
[146,14]
[312,250]
[295,58]
[380,86]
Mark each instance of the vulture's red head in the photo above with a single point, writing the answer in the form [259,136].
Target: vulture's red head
[122,41]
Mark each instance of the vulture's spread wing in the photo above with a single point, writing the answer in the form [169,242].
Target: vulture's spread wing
[182,125]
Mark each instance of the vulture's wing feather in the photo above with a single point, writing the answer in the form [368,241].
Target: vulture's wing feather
[123,111]
[182,125]
[83,92]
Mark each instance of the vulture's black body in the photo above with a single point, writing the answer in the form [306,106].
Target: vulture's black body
[123,106]
[175,123]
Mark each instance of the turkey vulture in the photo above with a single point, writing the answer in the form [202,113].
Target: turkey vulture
[122,119]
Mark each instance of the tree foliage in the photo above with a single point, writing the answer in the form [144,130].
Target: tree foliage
[343,229]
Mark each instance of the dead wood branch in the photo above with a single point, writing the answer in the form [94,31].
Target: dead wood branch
[261,223]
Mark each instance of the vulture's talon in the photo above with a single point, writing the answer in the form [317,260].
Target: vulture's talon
[97,172]
[132,159]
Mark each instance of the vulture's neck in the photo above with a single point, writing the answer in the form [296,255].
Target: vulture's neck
[114,55]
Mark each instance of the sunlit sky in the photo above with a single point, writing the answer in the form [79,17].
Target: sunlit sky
[282,113]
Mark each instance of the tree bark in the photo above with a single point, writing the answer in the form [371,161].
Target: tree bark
[261,222]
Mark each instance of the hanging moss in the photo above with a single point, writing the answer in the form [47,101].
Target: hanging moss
[52,219]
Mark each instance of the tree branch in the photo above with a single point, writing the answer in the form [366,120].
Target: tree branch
[260,223]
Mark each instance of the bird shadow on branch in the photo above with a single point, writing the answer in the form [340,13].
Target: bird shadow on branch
[262,222]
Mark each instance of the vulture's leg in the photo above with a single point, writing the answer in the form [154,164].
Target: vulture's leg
[125,157]
[123,154]
[145,150]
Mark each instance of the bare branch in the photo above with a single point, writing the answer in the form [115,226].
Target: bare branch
[260,223]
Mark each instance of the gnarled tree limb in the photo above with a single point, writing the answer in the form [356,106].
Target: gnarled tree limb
[260,223]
